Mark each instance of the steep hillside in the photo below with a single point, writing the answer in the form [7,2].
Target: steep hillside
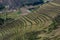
[41,24]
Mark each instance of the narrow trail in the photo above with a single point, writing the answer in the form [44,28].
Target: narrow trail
[55,4]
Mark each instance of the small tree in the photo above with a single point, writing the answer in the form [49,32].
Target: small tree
[1,7]
[1,21]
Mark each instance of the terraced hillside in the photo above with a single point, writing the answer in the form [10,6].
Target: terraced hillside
[41,24]
[25,24]
[52,8]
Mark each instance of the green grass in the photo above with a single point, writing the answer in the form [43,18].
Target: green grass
[37,25]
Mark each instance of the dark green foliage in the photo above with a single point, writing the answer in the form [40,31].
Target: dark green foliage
[52,27]
[6,21]
[1,21]
[2,7]
[32,35]
[57,19]
[46,38]
[19,12]
[9,19]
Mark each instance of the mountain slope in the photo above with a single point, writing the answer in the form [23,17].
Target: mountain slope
[18,3]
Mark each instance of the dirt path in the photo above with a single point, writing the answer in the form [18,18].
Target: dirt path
[55,4]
